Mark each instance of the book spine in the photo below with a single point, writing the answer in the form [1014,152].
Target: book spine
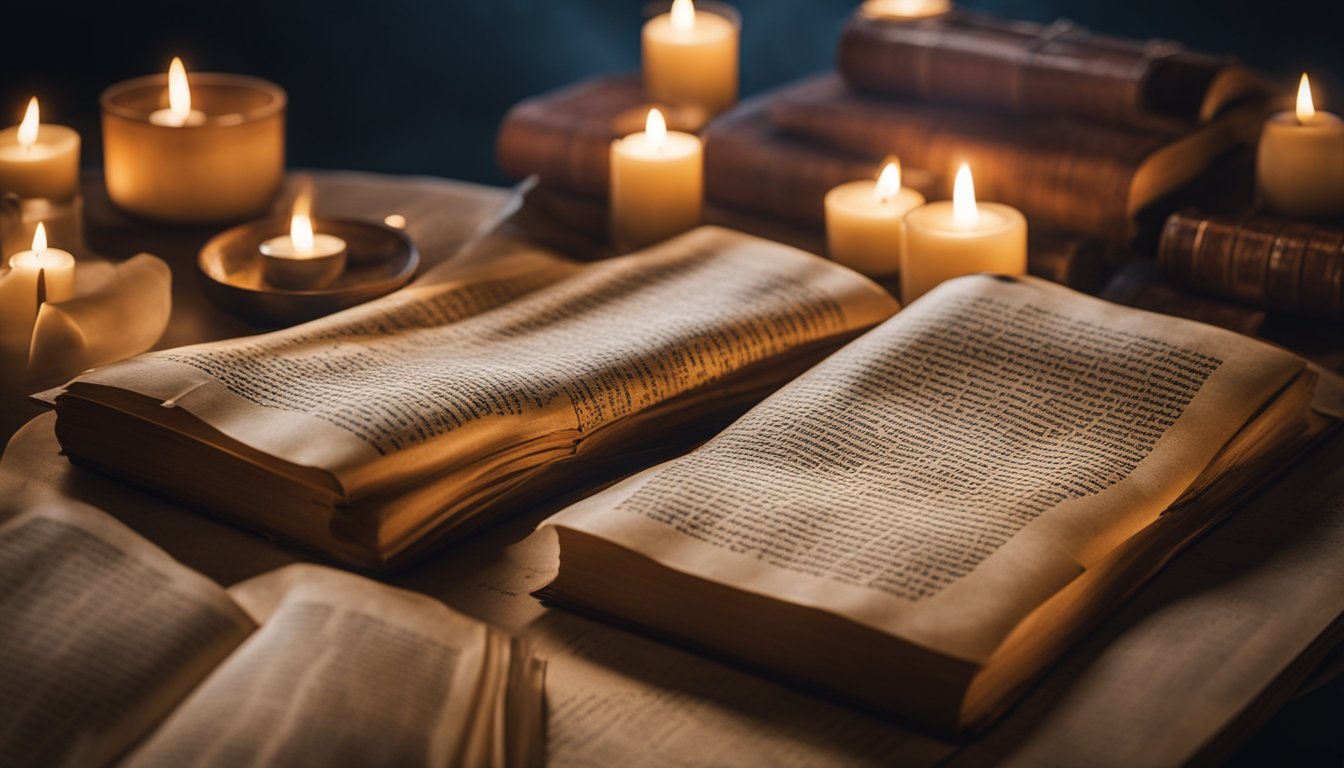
[563,157]
[749,167]
[1266,262]
[1055,188]
[1026,68]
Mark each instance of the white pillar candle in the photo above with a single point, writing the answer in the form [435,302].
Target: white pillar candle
[691,58]
[303,259]
[1299,167]
[37,160]
[864,220]
[657,184]
[948,239]
[57,271]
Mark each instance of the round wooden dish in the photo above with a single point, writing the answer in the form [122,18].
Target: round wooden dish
[381,260]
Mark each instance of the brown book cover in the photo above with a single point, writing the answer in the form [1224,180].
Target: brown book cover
[750,165]
[1061,69]
[1264,261]
[564,136]
[1063,174]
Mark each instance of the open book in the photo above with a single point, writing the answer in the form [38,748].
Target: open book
[923,521]
[113,651]
[370,433]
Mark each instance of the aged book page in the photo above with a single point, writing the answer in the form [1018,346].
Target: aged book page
[102,635]
[343,671]
[527,347]
[946,473]
[1198,646]
[617,698]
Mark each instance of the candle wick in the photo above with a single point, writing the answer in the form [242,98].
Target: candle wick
[41,288]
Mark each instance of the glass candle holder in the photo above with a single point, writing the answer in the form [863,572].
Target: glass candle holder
[225,167]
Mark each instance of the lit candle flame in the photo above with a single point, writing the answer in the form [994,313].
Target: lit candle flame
[301,224]
[28,128]
[964,213]
[655,127]
[40,239]
[1306,110]
[179,93]
[889,181]
[683,15]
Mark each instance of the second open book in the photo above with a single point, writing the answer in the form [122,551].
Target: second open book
[923,521]
[918,523]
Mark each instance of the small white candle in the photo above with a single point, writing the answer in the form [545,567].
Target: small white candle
[657,184]
[303,259]
[948,239]
[1299,167]
[179,112]
[691,58]
[864,220]
[38,160]
[52,267]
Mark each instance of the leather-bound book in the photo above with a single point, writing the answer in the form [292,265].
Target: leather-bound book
[751,165]
[1022,67]
[1267,262]
[1065,174]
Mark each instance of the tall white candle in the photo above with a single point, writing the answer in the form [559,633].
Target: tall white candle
[949,239]
[691,58]
[1299,167]
[864,220]
[657,184]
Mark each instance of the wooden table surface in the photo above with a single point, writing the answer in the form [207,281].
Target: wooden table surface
[1308,730]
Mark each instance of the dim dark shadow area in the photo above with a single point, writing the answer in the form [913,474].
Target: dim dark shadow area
[407,86]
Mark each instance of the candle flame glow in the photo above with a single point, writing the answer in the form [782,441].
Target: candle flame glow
[889,181]
[964,213]
[655,127]
[683,15]
[301,224]
[1306,110]
[28,128]
[179,93]
[40,239]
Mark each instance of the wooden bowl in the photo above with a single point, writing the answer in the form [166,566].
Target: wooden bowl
[381,260]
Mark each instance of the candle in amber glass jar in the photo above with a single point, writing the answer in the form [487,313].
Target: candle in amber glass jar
[200,151]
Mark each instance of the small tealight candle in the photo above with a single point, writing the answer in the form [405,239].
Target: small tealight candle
[657,184]
[905,9]
[691,58]
[179,111]
[37,160]
[1299,167]
[39,274]
[303,259]
[864,220]
[948,239]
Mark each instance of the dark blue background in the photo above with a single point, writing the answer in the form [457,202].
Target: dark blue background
[419,86]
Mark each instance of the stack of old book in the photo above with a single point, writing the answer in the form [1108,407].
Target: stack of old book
[1079,131]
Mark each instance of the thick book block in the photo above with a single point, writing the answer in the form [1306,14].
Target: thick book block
[1029,69]
[1267,262]
[1062,174]
[925,520]
[564,136]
